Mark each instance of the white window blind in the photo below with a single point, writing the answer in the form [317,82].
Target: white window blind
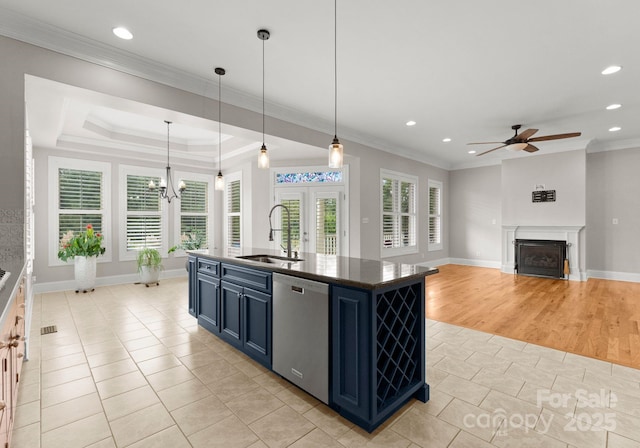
[194,215]
[294,206]
[234,216]
[326,226]
[78,196]
[144,214]
[79,200]
[398,193]
[435,215]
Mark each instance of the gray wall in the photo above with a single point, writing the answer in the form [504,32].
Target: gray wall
[564,172]
[613,191]
[475,218]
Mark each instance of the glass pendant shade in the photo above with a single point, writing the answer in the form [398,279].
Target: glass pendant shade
[219,185]
[336,154]
[263,158]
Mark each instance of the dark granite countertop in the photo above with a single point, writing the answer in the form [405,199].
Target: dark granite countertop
[15,266]
[356,272]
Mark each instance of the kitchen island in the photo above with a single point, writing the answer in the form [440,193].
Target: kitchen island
[375,322]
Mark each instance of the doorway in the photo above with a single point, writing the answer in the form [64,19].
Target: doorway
[317,203]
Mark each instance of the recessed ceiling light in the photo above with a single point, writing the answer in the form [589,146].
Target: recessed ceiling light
[473,151]
[614,106]
[411,123]
[611,69]
[446,140]
[615,129]
[123,33]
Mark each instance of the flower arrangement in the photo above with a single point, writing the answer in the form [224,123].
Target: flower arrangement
[86,243]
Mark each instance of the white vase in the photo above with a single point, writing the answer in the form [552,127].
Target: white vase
[85,273]
[149,274]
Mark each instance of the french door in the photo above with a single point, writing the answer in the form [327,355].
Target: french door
[317,217]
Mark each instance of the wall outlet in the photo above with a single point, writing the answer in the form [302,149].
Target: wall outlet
[365,220]
[614,221]
[493,221]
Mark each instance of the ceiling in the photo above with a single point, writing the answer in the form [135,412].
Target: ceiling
[465,70]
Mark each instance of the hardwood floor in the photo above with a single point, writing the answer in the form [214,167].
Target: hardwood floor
[596,318]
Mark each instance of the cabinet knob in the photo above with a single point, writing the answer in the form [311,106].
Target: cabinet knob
[14,343]
[3,344]
[2,405]
[18,317]
[21,305]
[20,355]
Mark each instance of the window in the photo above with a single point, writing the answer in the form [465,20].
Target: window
[435,215]
[233,211]
[398,205]
[192,223]
[79,196]
[143,216]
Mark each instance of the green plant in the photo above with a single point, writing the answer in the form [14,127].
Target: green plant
[189,240]
[150,258]
[87,243]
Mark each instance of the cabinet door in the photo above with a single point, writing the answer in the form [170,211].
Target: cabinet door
[257,325]
[351,343]
[230,313]
[209,303]
[193,290]
[6,396]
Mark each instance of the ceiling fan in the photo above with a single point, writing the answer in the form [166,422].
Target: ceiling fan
[522,141]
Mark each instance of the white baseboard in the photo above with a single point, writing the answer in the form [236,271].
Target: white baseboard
[477,263]
[70,285]
[611,275]
[435,263]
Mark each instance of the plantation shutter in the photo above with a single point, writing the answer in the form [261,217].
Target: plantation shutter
[398,213]
[294,210]
[144,222]
[234,239]
[80,200]
[194,210]
[435,208]
[326,226]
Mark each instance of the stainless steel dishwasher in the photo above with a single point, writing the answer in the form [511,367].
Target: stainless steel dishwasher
[301,333]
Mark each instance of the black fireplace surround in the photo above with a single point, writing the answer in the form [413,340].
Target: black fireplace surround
[540,258]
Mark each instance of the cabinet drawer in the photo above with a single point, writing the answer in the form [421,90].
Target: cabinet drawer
[251,278]
[209,267]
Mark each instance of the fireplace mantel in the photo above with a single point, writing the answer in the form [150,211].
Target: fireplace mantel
[570,234]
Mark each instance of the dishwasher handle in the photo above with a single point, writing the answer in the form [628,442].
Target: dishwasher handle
[297,289]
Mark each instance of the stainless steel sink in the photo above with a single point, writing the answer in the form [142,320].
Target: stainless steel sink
[271,259]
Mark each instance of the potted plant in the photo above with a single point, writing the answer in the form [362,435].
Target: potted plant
[84,248]
[192,239]
[149,266]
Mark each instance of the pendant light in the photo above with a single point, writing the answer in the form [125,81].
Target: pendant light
[219,184]
[336,150]
[167,191]
[263,158]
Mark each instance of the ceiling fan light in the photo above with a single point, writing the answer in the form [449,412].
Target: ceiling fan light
[517,146]
[615,129]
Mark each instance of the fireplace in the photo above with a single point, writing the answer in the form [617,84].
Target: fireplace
[540,258]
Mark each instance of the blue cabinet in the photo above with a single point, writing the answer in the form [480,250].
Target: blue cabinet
[209,302]
[230,313]
[193,287]
[256,320]
[378,351]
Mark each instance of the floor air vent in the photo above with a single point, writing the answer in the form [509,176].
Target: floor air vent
[49,329]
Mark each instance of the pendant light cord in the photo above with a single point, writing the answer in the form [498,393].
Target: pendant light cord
[168,123]
[219,123]
[263,93]
[335,67]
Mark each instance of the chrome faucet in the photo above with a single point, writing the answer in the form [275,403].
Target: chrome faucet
[271,229]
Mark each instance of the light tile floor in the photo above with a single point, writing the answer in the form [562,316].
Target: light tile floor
[130,367]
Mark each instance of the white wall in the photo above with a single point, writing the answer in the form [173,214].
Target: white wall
[476,216]
[564,172]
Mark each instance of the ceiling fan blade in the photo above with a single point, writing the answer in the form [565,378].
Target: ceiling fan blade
[485,143]
[530,148]
[486,152]
[524,135]
[555,137]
